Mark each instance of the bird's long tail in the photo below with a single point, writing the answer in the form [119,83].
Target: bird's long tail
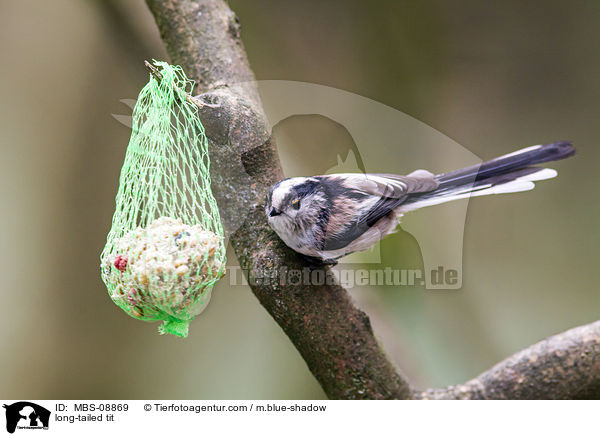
[513,172]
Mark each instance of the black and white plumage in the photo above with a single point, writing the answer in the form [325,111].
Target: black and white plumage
[328,217]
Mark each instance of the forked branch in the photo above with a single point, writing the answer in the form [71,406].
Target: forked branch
[333,336]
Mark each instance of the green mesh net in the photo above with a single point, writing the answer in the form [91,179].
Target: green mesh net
[165,249]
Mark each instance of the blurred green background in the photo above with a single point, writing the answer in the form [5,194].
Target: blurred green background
[492,76]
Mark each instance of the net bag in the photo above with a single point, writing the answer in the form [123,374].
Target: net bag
[165,249]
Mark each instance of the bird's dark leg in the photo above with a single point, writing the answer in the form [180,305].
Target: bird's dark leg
[317,261]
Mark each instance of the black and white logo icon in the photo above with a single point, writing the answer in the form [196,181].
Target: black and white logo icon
[26,415]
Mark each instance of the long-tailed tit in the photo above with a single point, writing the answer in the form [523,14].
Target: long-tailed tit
[327,217]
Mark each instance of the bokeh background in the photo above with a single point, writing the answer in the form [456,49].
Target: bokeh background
[491,76]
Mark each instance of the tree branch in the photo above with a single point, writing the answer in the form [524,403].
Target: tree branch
[332,335]
[565,366]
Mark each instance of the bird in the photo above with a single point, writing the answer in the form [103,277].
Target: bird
[327,217]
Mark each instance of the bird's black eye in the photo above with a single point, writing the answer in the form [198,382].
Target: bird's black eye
[296,204]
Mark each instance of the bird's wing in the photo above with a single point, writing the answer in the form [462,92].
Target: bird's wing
[387,192]
[417,181]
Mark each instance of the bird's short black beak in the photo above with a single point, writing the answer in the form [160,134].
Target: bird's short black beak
[274,212]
